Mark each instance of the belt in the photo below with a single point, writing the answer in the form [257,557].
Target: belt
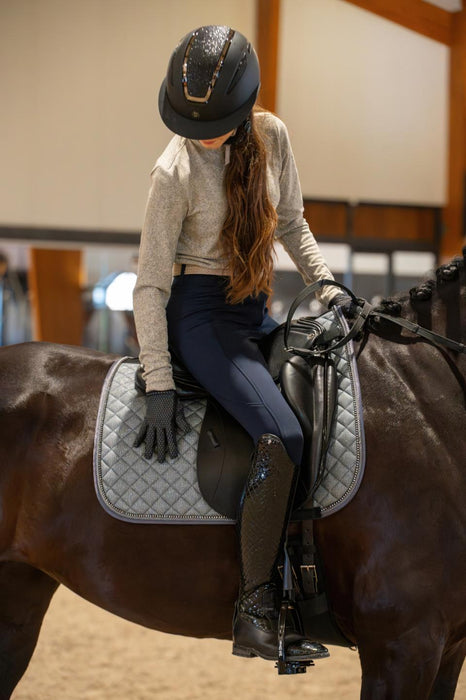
[197,270]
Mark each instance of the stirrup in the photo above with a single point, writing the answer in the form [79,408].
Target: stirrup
[287,666]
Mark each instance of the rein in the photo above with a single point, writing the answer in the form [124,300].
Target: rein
[364,311]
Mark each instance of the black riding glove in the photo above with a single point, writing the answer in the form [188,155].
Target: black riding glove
[345,303]
[164,414]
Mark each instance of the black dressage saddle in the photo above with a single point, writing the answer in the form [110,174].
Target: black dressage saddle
[225,448]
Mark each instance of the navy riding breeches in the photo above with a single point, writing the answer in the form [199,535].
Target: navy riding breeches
[217,342]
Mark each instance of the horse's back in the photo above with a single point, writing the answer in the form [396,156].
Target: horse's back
[39,366]
[48,407]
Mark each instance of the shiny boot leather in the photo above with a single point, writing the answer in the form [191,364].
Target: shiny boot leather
[264,513]
[255,629]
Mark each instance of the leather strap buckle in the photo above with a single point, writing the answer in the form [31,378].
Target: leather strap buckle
[309,576]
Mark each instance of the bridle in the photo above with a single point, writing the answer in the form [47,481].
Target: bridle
[363,312]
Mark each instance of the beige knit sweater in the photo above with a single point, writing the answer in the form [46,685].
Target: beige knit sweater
[184,216]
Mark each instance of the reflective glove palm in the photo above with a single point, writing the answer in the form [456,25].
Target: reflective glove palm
[164,415]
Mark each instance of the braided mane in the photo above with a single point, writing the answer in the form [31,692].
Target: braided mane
[444,274]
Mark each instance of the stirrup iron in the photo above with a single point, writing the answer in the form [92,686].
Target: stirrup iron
[287,666]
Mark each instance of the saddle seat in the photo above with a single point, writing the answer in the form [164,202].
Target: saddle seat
[187,387]
[225,448]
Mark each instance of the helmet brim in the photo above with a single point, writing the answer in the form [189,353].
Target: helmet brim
[197,129]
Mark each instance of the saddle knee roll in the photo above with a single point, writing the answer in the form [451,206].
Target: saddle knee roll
[311,390]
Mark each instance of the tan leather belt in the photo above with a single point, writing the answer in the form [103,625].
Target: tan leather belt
[197,270]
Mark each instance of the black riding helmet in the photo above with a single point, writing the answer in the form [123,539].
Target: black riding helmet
[212,83]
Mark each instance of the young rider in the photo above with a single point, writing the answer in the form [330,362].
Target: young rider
[223,190]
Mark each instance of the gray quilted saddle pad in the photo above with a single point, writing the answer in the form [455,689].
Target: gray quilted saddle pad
[132,488]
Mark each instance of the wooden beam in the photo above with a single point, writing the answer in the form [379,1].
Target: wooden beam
[454,213]
[420,16]
[267,33]
[56,297]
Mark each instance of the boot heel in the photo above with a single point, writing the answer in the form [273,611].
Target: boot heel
[242,651]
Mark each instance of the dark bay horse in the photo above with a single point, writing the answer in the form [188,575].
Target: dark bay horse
[395,557]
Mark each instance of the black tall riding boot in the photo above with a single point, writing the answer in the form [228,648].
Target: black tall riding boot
[263,521]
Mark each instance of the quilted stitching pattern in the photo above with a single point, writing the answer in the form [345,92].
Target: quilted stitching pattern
[345,456]
[132,488]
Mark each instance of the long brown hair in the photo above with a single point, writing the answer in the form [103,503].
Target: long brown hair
[251,219]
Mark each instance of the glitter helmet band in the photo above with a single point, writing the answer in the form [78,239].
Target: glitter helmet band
[204,98]
[211,85]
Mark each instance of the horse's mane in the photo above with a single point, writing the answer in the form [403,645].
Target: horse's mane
[420,298]
[444,274]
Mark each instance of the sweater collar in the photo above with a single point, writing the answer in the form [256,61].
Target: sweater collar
[217,155]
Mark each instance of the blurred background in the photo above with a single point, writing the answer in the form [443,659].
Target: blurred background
[372,92]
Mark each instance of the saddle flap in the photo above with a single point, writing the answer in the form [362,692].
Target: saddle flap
[311,391]
[296,381]
[223,459]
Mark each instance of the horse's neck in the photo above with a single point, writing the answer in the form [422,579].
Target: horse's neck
[444,312]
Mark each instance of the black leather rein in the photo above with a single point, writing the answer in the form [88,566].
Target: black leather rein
[363,310]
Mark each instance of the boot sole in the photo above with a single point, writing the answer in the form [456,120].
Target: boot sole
[248,653]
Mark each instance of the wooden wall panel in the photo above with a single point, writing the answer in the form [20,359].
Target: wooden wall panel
[417,15]
[414,224]
[375,226]
[329,219]
[56,297]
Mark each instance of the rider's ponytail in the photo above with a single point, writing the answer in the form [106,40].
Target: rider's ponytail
[248,230]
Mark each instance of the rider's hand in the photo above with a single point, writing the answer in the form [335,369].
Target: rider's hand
[164,414]
[345,303]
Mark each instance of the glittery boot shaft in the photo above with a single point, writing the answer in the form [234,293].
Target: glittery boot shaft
[263,520]
[263,512]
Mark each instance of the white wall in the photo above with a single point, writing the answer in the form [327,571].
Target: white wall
[366,103]
[79,125]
